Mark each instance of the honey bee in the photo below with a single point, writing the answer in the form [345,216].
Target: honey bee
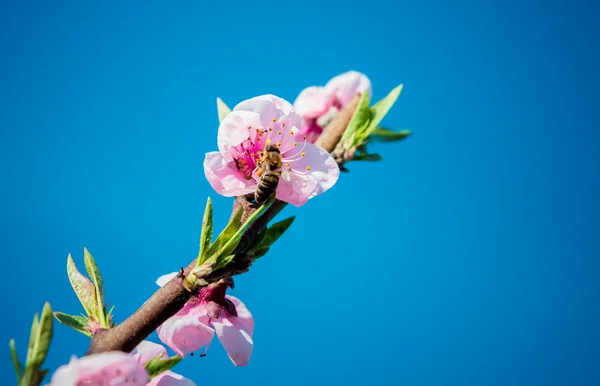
[269,166]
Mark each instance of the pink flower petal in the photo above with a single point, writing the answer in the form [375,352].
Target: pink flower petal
[294,188]
[273,103]
[235,339]
[147,350]
[347,85]
[311,175]
[234,129]
[110,368]
[224,177]
[169,378]
[244,316]
[188,330]
[164,279]
[312,102]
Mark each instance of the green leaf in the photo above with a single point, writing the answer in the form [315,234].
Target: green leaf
[367,157]
[43,337]
[83,287]
[156,365]
[39,350]
[378,111]
[94,274]
[222,109]
[259,252]
[76,322]
[276,230]
[360,118]
[380,134]
[230,243]
[225,236]
[224,261]
[206,233]
[32,335]
[257,240]
[15,359]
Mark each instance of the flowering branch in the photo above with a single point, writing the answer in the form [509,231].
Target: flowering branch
[171,298]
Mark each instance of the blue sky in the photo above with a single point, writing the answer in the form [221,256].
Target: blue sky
[468,256]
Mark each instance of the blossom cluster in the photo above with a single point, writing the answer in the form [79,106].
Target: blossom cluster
[243,139]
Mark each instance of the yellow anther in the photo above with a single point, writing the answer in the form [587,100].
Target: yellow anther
[278,144]
[308,168]
[282,125]
[273,120]
[291,131]
[304,137]
[279,132]
[302,154]
[268,141]
[286,165]
[295,144]
[270,129]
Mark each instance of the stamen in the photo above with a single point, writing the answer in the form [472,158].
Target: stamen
[277,144]
[274,119]
[292,132]
[282,125]
[279,132]
[295,144]
[268,141]
[308,167]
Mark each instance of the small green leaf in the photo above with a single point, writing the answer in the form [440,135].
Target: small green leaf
[94,274]
[230,244]
[32,335]
[380,134]
[224,261]
[76,322]
[15,359]
[43,337]
[222,109]
[276,230]
[156,365]
[379,110]
[226,235]
[360,118]
[259,252]
[367,157]
[83,287]
[257,240]
[36,354]
[206,233]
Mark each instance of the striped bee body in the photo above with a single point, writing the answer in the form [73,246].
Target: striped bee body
[269,171]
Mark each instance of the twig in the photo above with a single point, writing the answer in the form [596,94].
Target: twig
[171,298]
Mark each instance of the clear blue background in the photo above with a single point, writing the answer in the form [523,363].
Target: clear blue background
[469,256]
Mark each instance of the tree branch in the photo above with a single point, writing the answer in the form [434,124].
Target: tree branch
[171,298]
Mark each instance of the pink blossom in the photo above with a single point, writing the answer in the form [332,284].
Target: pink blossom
[192,327]
[146,351]
[110,368]
[319,105]
[242,139]
[117,368]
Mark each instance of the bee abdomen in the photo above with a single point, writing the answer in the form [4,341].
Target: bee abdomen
[266,186]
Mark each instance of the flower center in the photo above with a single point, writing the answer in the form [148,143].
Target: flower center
[249,154]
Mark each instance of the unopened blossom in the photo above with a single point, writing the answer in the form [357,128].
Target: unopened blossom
[117,368]
[318,105]
[192,327]
[243,137]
